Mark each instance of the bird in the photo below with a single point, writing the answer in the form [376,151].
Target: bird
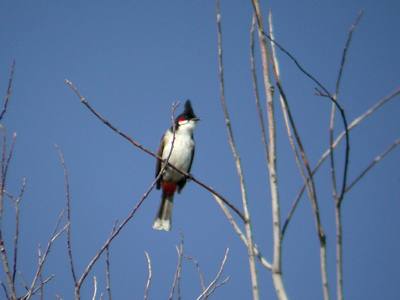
[181,157]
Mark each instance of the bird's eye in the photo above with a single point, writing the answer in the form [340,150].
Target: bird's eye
[182,121]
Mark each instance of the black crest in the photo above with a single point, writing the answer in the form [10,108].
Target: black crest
[188,112]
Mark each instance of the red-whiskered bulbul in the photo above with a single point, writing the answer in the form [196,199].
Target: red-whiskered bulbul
[181,157]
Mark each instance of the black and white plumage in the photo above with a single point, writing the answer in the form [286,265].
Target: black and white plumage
[181,157]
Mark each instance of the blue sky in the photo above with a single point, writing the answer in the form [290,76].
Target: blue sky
[131,60]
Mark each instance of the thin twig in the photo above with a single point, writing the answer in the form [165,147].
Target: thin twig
[9,89]
[41,273]
[43,282]
[216,277]
[260,27]
[149,277]
[338,198]
[5,290]
[16,236]
[198,270]
[178,269]
[108,287]
[339,261]
[256,94]
[375,161]
[263,261]
[4,167]
[347,151]
[23,282]
[71,263]
[155,155]
[215,287]
[344,54]
[53,237]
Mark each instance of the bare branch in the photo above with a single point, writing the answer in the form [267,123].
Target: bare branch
[108,287]
[108,265]
[263,261]
[40,274]
[16,235]
[9,89]
[5,290]
[178,270]
[4,167]
[150,275]
[217,277]
[327,152]
[23,282]
[113,235]
[54,236]
[94,288]
[273,176]
[42,283]
[339,262]
[71,263]
[344,54]
[198,270]
[256,94]
[309,184]
[216,286]
[249,233]
[376,160]
[261,28]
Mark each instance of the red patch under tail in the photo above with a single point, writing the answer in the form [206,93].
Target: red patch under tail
[169,188]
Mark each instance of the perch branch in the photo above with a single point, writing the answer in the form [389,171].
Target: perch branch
[153,154]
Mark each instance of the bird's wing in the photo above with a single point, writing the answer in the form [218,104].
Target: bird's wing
[183,181]
[158,162]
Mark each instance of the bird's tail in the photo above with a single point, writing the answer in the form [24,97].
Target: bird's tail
[164,214]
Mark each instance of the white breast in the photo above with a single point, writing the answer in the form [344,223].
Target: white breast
[182,152]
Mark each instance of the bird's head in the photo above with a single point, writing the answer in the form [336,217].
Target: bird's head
[187,117]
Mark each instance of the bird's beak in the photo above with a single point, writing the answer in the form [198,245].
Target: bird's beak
[196,119]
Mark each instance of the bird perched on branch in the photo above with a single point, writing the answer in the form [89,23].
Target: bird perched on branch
[181,157]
